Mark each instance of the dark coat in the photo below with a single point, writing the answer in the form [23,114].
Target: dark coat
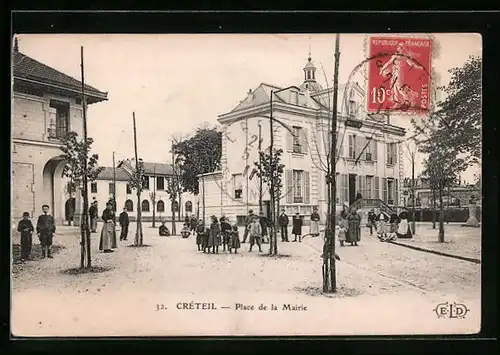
[108,214]
[45,224]
[93,211]
[123,219]
[25,227]
[283,220]
[354,230]
[297,225]
[372,217]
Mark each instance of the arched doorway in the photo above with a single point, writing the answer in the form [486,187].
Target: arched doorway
[53,188]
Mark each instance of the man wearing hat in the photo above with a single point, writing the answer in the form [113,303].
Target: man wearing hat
[248,220]
[93,213]
[45,228]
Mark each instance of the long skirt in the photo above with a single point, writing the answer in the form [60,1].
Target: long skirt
[226,237]
[353,233]
[382,227]
[314,228]
[108,237]
[404,229]
[199,238]
[394,227]
[235,241]
[214,240]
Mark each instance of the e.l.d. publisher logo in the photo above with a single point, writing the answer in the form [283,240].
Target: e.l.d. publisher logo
[451,310]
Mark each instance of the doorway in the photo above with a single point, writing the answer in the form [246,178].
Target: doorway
[352,188]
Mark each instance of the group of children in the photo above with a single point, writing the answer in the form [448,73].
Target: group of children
[45,229]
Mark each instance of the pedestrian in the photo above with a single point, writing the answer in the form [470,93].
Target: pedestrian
[235,240]
[359,196]
[93,214]
[263,226]
[297,227]
[382,220]
[206,237]
[200,231]
[283,222]
[342,230]
[314,229]
[124,222]
[393,222]
[225,228]
[345,212]
[163,230]
[255,232]
[186,220]
[248,221]
[193,222]
[403,227]
[372,219]
[185,232]
[354,229]
[108,234]
[45,228]
[25,227]
[214,238]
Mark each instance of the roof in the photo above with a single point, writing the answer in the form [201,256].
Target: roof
[149,167]
[309,63]
[312,85]
[25,67]
[259,96]
[107,174]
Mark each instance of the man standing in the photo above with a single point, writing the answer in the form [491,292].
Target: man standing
[93,213]
[255,233]
[372,218]
[45,229]
[247,224]
[26,229]
[283,222]
[124,222]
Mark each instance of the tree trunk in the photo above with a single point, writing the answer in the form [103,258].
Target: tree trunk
[441,215]
[82,244]
[154,214]
[138,232]
[174,231]
[276,214]
[433,208]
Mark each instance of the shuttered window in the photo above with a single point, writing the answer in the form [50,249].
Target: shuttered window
[374,149]
[369,187]
[384,189]
[345,188]
[307,187]
[352,146]
[289,186]
[376,189]
[391,153]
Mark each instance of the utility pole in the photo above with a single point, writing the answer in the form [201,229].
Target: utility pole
[329,269]
[85,231]
[138,233]
[174,190]
[260,164]
[272,238]
[114,182]
[153,196]
[413,227]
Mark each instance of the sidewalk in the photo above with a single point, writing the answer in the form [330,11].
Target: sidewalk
[463,242]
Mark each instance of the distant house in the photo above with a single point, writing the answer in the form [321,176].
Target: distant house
[46,105]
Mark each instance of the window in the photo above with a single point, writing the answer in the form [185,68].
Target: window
[93,187]
[297,186]
[111,188]
[62,119]
[352,108]
[145,182]
[145,206]
[238,186]
[377,187]
[129,189]
[308,75]
[391,153]
[369,186]
[129,205]
[344,188]
[369,149]
[175,206]
[390,191]
[160,183]
[188,206]
[297,134]
[352,146]
[160,206]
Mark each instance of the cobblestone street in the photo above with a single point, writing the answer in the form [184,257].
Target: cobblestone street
[380,286]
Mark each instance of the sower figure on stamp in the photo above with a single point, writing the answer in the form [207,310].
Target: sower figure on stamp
[248,221]
[124,222]
[45,228]
[255,231]
[297,227]
[93,215]
[108,233]
[225,227]
[25,227]
[283,221]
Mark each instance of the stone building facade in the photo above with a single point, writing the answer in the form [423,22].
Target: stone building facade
[368,148]
[46,104]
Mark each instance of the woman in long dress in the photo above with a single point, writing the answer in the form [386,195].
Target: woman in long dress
[108,233]
[214,238]
[354,230]
[403,228]
[382,228]
[314,231]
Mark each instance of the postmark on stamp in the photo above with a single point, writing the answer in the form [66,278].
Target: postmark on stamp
[399,76]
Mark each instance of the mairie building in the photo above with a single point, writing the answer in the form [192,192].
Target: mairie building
[369,152]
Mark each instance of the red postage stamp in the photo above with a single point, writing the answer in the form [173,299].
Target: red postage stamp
[399,74]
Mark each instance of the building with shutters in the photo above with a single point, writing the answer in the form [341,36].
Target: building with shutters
[156,177]
[369,154]
[46,104]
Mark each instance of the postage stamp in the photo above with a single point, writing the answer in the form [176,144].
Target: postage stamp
[399,75]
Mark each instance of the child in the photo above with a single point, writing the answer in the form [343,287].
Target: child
[341,232]
[163,230]
[185,231]
[200,232]
[255,232]
[235,240]
[214,239]
[45,228]
[124,223]
[225,227]
[297,227]
[26,228]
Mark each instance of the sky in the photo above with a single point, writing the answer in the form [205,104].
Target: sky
[174,83]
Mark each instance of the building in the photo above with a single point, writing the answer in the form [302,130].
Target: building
[155,186]
[369,154]
[46,105]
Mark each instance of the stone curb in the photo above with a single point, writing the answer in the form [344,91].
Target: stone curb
[472,260]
